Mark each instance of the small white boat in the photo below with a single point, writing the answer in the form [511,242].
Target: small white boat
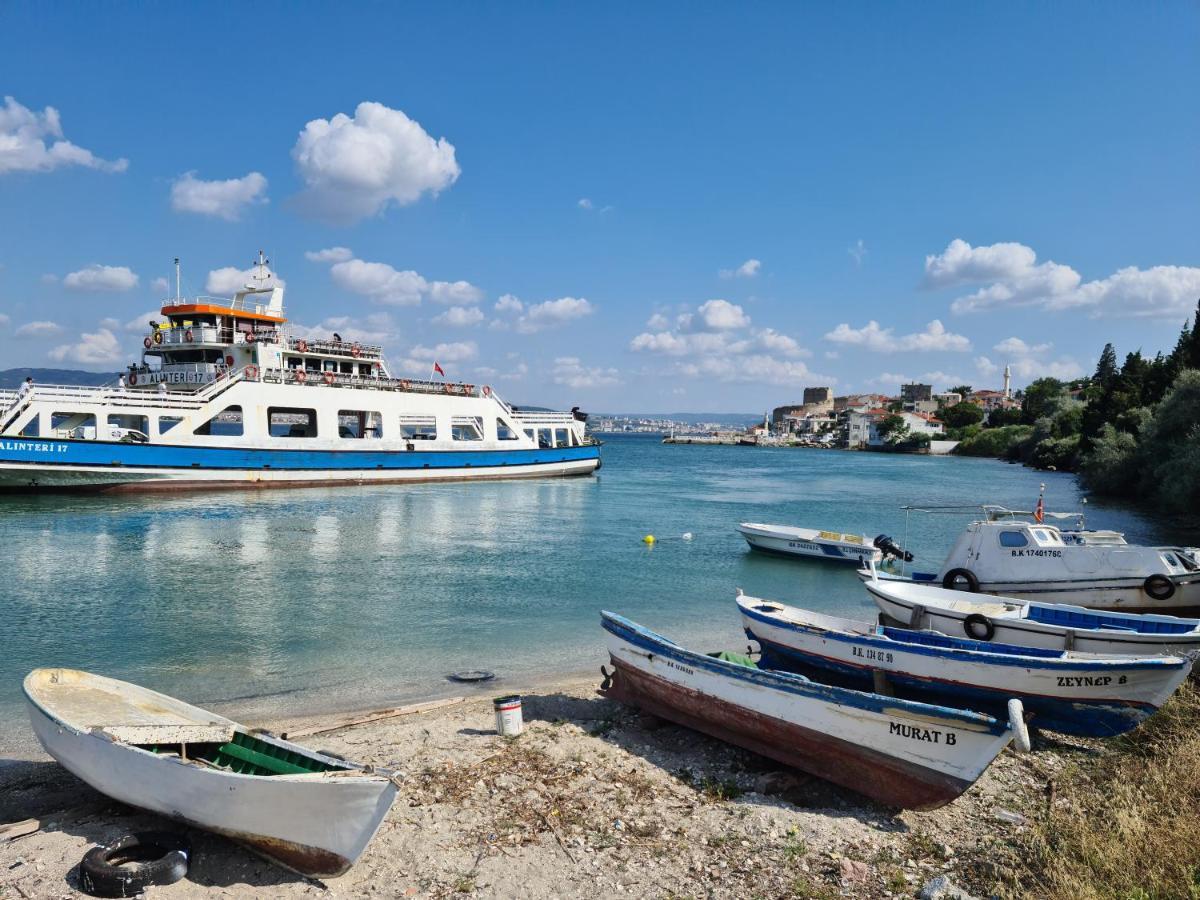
[1012,554]
[310,812]
[897,752]
[1025,623]
[832,546]
[1087,694]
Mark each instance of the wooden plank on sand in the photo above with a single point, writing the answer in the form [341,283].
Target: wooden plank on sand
[14,830]
[366,718]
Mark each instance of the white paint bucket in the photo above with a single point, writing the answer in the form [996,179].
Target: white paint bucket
[508,715]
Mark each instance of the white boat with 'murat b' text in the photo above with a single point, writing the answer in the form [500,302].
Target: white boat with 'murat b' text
[226,396]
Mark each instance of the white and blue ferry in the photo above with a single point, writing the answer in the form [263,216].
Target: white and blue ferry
[225,397]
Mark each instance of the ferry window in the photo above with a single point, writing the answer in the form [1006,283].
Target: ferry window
[545,438]
[127,423]
[529,434]
[78,425]
[503,432]
[418,428]
[292,423]
[345,368]
[294,362]
[467,428]
[32,428]
[166,423]
[1043,537]
[359,423]
[1013,539]
[226,423]
[560,438]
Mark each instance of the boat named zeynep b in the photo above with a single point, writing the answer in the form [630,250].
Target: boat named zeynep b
[227,396]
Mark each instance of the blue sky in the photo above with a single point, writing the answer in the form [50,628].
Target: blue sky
[687,206]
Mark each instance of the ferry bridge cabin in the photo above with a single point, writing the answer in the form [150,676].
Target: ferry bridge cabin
[224,394]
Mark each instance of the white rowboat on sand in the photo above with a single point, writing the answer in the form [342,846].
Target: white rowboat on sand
[310,812]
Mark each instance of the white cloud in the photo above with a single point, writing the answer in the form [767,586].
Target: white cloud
[1011,276]
[584,203]
[458,351]
[717,341]
[460,317]
[110,323]
[101,278]
[393,287]
[658,322]
[354,167]
[873,337]
[223,199]
[858,252]
[454,292]
[329,255]
[509,303]
[553,313]
[749,269]
[569,371]
[95,348]
[721,315]
[377,328]
[160,285]
[229,280]
[23,143]
[4,319]
[38,329]
[1014,346]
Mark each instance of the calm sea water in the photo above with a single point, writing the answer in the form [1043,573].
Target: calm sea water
[312,599]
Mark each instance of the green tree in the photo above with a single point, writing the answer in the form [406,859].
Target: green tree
[892,429]
[1042,398]
[960,415]
[963,390]
[1000,417]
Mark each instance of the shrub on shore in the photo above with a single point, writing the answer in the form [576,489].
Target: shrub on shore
[1121,824]
[999,442]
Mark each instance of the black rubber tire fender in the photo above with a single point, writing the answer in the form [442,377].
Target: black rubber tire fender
[1159,587]
[160,857]
[950,581]
[970,624]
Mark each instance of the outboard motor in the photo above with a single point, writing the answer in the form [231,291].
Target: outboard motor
[891,548]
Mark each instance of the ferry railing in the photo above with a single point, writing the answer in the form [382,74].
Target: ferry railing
[372,382]
[352,349]
[242,305]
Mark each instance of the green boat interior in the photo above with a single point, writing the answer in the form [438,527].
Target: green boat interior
[246,754]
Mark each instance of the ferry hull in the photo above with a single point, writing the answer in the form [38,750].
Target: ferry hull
[33,465]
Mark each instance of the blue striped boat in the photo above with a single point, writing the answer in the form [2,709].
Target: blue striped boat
[1087,694]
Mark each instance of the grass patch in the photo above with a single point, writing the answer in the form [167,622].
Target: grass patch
[1128,824]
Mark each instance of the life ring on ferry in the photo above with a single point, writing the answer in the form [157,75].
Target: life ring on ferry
[252,373]
[300,375]
[302,346]
[132,379]
[329,377]
[1159,587]
[448,388]
[486,391]
[356,350]
[972,624]
[405,384]
[158,337]
[249,337]
[147,343]
[229,361]
[956,577]
[188,336]
[468,389]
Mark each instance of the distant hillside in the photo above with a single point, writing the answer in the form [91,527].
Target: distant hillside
[11,378]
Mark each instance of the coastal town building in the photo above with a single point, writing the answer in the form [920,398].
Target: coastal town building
[912,393]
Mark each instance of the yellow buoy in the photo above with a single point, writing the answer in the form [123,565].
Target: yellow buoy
[648,539]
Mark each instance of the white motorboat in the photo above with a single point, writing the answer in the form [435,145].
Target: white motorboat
[810,543]
[305,810]
[1028,623]
[1012,554]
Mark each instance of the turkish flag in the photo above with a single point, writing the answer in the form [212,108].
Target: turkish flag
[438,369]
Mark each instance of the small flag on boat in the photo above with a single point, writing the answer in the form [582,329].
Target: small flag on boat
[1039,514]
[438,369]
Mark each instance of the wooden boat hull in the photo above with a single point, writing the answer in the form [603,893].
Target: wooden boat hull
[1071,693]
[896,752]
[946,611]
[314,824]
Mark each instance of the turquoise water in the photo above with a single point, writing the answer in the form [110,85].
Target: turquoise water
[314,599]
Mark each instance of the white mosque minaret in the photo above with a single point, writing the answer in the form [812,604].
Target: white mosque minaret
[1007,383]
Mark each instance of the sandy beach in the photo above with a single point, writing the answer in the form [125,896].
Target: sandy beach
[593,800]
